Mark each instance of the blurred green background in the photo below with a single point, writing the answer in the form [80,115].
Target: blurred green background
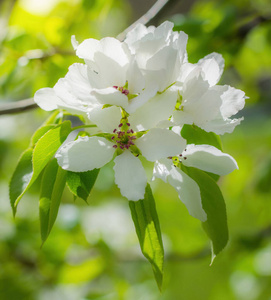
[93,252]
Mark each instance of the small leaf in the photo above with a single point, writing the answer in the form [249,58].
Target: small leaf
[82,183]
[21,177]
[47,146]
[39,133]
[148,231]
[214,205]
[44,150]
[197,136]
[52,186]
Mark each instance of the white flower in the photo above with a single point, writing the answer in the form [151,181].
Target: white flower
[88,153]
[160,52]
[204,157]
[204,103]
[111,76]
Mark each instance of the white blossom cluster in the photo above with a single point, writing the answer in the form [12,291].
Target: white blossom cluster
[139,93]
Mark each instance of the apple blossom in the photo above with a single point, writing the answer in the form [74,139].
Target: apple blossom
[87,153]
[204,103]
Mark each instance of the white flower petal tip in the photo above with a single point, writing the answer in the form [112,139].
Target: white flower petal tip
[212,66]
[209,159]
[74,42]
[160,143]
[46,99]
[187,189]
[130,176]
[85,154]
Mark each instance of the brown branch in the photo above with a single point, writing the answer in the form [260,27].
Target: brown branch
[18,106]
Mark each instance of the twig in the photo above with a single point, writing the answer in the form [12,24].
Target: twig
[18,106]
[146,18]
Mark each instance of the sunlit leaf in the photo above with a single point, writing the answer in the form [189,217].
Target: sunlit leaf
[197,136]
[44,150]
[21,178]
[214,205]
[82,183]
[149,234]
[39,133]
[52,186]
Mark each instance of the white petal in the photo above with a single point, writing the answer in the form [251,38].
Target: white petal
[185,70]
[78,83]
[110,96]
[111,72]
[205,108]
[84,154]
[195,85]
[221,126]
[75,44]
[233,100]
[212,66]
[160,143]
[189,193]
[209,158]
[157,109]
[180,117]
[130,176]
[166,59]
[107,119]
[116,50]
[162,169]
[187,189]
[135,78]
[88,48]
[47,99]
[136,34]
[149,92]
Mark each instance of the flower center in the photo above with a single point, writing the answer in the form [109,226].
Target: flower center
[124,138]
[177,159]
[121,89]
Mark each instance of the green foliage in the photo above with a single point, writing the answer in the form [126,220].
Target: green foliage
[149,234]
[52,186]
[82,183]
[195,135]
[21,178]
[34,160]
[213,203]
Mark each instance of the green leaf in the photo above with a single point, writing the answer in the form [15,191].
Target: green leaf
[21,177]
[44,150]
[52,186]
[197,136]
[148,231]
[54,118]
[214,205]
[39,133]
[47,146]
[82,183]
